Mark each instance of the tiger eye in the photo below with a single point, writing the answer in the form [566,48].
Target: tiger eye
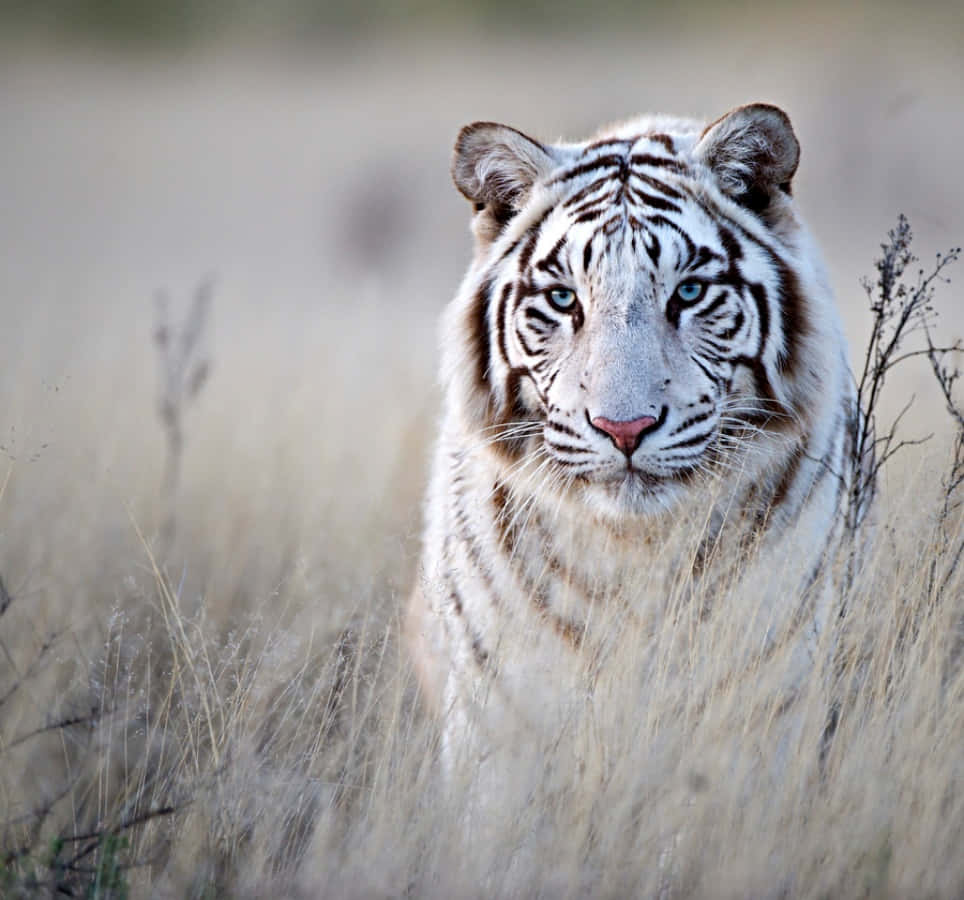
[689,291]
[562,298]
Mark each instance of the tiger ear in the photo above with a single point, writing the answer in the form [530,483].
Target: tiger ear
[495,167]
[753,152]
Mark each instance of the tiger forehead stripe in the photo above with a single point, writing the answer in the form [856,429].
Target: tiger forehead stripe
[657,185]
[550,262]
[587,256]
[666,162]
[659,220]
[627,168]
[609,161]
[613,142]
[526,239]
[652,201]
[700,256]
[663,139]
[600,184]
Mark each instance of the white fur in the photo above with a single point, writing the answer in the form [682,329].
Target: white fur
[619,560]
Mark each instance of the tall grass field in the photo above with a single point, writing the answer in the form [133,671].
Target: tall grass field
[220,276]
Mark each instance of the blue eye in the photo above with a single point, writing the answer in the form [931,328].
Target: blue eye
[562,299]
[690,291]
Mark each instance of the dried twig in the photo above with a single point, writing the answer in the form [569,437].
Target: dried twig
[89,719]
[946,376]
[5,598]
[184,369]
[900,309]
[33,668]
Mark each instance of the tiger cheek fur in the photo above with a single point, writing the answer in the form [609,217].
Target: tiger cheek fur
[644,344]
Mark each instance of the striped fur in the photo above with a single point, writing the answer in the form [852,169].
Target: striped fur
[657,273]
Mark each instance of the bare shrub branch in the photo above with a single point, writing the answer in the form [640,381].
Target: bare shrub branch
[901,306]
[5,598]
[946,376]
[184,369]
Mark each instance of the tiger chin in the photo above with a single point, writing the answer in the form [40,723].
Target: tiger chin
[645,381]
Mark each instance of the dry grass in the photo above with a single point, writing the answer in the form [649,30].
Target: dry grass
[201,688]
[212,709]
[263,762]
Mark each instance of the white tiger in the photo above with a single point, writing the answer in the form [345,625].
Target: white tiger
[647,394]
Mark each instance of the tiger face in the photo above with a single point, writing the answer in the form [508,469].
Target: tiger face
[631,297]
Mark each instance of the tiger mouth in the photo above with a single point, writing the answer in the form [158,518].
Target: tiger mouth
[629,478]
[633,475]
[633,489]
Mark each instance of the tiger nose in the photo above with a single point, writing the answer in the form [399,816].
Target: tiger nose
[625,435]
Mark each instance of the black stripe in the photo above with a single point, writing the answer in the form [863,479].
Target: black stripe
[529,351]
[729,333]
[611,225]
[653,202]
[591,215]
[606,142]
[584,192]
[562,429]
[705,255]
[716,350]
[573,463]
[653,247]
[528,248]
[531,312]
[507,534]
[715,379]
[610,161]
[479,331]
[763,312]
[658,185]
[690,442]
[663,139]
[479,653]
[551,259]
[690,422]
[659,220]
[527,236]
[470,542]
[714,306]
[648,159]
[793,316]
[587,256]
[500,321]
[566,448]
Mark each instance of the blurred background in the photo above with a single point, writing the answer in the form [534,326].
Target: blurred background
[296,154]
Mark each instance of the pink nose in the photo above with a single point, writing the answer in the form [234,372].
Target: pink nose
[625,435]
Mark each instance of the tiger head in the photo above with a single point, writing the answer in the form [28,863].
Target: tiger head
[642,306]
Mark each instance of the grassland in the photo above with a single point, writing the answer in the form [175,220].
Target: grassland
[201,688]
